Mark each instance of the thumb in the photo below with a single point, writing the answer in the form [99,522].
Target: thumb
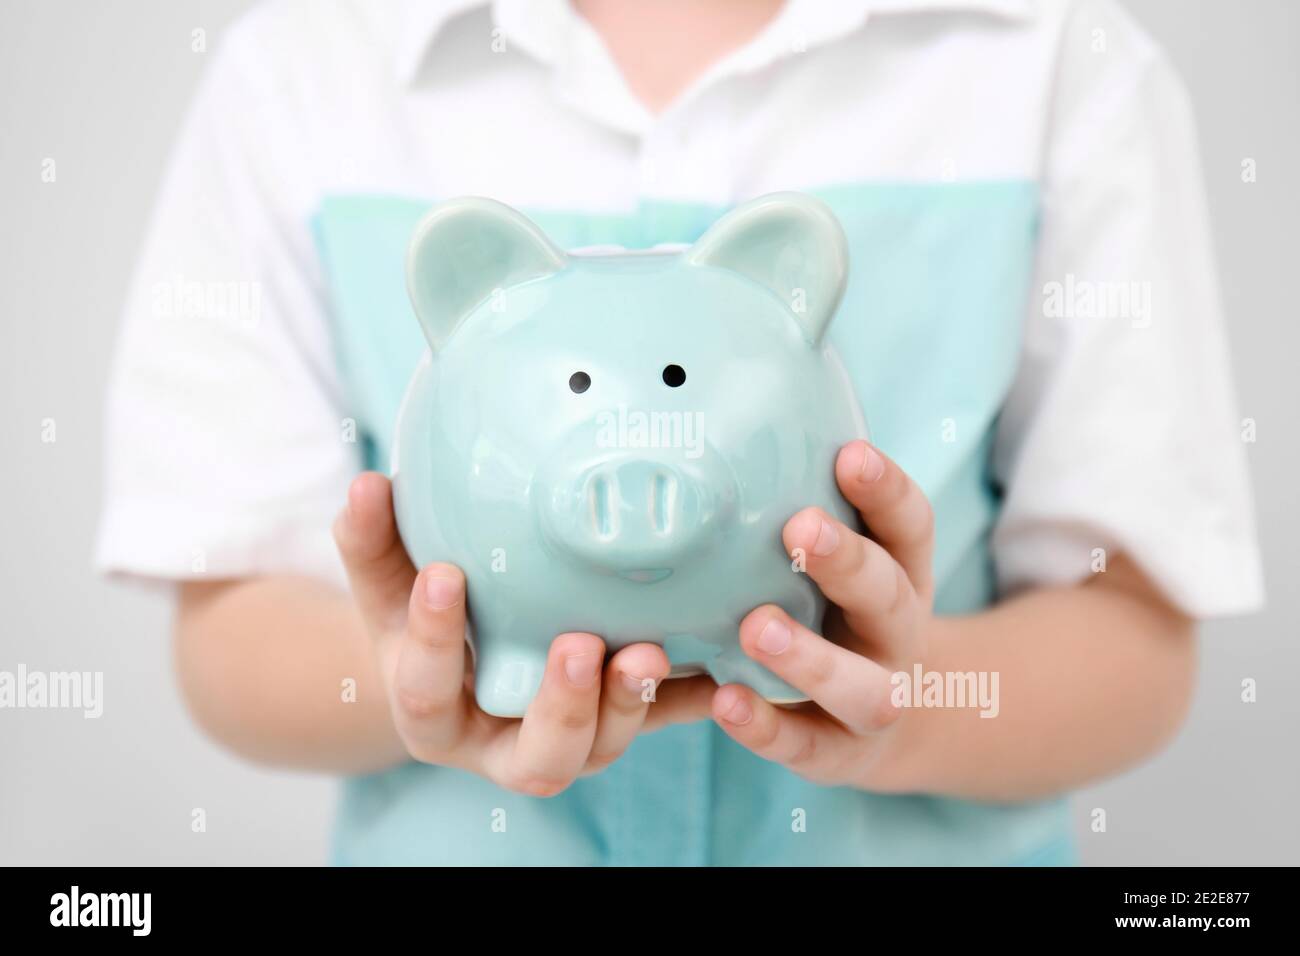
[379,570]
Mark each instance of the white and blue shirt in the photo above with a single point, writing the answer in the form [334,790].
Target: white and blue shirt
[1031,323]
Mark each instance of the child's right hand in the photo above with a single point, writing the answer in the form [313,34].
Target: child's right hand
[582,719]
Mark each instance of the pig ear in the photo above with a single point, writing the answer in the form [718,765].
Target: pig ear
[465,249]
[789,243]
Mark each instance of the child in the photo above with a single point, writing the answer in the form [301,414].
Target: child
[1054,490]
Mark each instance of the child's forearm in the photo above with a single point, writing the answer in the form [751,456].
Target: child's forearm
[1091,679]
[280,670]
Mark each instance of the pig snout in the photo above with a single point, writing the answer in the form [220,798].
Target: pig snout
[633,516]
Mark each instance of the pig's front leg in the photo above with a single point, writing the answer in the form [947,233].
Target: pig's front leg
[508,673]
[733,666]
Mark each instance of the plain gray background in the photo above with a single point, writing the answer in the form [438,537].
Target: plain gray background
[101,86]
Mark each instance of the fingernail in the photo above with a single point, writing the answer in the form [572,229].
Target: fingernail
[873,466]
[774,638]
[637,685]
[441,593]
[581,669]
[828,539]
[738,713]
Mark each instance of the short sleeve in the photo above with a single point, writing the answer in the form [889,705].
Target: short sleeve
[1121,432]
[226,452]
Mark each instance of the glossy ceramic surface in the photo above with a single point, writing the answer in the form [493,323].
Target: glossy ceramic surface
[611,442]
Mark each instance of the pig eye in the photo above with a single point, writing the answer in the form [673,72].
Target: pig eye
[579,382]
[674,375]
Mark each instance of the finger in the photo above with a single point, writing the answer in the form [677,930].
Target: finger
[627,690]
[560,724]
[896,511]
[857,575]
[808,744]
[681,700]
[429,701]
[853,689]
[379,570]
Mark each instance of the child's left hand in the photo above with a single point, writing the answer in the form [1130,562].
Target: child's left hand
[882,589]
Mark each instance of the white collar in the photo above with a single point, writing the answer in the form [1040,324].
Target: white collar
[551,32]
[539,25]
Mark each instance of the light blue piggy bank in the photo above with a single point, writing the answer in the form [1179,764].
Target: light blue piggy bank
[611,441]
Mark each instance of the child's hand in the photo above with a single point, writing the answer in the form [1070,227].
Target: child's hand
[883,592]
[581,720]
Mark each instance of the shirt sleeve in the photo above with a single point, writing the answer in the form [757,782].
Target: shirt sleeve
[227,452]
[1121,433]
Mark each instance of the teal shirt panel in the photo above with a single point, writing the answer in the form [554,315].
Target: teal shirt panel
[930,331]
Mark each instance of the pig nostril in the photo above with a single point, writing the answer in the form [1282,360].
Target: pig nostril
[663,491]
[600,517]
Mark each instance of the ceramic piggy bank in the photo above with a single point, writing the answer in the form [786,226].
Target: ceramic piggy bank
[611,441]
